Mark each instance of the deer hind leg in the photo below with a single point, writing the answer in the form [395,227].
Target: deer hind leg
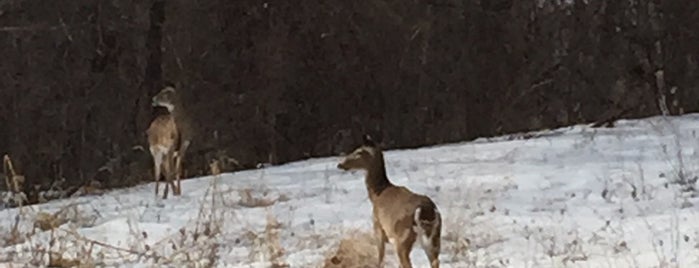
[403,249]
[436,245]
[431,246]
[178,162]
[157,163]
[173,175]
[178,165]
[167,166]
[433,255]
[429,236]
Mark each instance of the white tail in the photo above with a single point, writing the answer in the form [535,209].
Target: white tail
[428,232]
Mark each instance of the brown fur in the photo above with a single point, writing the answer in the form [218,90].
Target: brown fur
[166,139]
[395,207]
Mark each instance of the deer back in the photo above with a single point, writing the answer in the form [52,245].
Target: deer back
[163,132]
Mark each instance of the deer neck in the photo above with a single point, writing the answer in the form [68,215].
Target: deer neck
[171,109]
[376,180]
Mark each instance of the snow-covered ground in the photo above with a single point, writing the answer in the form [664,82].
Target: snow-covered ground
[573,197]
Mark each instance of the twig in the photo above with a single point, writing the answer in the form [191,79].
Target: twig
[65,30]
[77,236]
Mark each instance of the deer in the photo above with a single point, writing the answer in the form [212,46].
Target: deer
[167,141]
[400,216]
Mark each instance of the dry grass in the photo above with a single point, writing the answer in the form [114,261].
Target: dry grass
[13,181]
[357,250]
[62,247]
[53,238]
[249,200]
[267,245]
[14,184]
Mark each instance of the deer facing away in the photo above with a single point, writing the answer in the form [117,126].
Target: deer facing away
[400,216]
[166,142]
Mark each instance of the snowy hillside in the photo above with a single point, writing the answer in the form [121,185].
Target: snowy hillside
[573,197]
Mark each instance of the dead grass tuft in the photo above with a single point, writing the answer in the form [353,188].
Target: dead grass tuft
[356,250]
[14,236]
[274,245]
[260,198]
[46,221]
[13,181]
[14,184]
[66,247]
[247,199]
[267,245]
[57,260]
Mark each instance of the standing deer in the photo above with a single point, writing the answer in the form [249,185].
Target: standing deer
[399,216]
[167,141]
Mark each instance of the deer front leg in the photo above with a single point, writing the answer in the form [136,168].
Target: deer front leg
[381,240]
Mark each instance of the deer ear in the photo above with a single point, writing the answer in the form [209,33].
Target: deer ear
[368,141]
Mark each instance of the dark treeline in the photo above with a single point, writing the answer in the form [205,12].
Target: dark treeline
[288,80]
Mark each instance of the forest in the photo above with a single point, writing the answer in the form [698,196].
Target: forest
[279,81]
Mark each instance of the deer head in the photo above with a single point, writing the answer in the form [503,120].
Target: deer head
[165,98]
[363,158]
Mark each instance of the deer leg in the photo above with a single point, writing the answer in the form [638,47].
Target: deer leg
[436,247]
[167,166]
[432,250]
[173,168]
[178,165]
[403,252]
[157,162]
[430,240]
[403,248]
[381,240]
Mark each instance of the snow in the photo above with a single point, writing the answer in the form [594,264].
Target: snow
[573,197]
